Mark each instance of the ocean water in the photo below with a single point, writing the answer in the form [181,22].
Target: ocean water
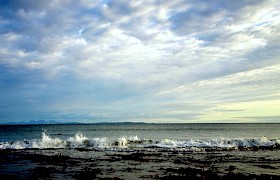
[188,137]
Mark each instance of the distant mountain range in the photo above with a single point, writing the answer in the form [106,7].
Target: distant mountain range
[37,122]
[34,122]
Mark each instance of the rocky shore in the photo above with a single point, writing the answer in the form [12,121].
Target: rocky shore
[141,164]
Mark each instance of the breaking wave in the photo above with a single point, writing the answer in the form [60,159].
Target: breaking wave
[80,141]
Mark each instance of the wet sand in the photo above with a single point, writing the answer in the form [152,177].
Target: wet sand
[140,164]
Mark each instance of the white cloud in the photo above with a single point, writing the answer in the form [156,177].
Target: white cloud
[197,52]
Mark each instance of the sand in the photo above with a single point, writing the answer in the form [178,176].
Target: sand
[140,164]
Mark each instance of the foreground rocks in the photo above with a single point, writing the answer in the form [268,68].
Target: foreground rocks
[145,164]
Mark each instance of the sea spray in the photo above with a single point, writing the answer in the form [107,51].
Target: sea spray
[80,141]
[48,142]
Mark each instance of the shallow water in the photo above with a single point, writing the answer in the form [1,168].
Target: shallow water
[184,137]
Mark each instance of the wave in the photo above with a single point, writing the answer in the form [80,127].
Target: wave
[80,141]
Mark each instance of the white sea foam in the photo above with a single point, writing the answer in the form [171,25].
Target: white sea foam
[81,141]
[219,143]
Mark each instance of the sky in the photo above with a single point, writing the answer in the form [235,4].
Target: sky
[156,61]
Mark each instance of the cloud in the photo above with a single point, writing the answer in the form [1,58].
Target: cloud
[271,119]
[167,60]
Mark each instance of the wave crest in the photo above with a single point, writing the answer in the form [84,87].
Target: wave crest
[81,141]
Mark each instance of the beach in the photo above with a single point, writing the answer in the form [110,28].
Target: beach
[140,151]
[142,164]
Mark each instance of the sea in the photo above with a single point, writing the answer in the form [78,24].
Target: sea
[130,136]
[140,151]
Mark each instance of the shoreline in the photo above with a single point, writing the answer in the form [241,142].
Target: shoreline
[144,164]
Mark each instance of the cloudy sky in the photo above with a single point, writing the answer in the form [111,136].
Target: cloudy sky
[131,60]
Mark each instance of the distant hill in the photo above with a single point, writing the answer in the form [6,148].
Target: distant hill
[32,122]
[41,122]
[38,122]
[118,123]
